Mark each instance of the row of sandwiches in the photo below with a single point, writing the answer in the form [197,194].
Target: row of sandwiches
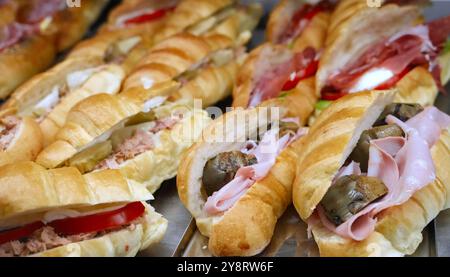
[356,144]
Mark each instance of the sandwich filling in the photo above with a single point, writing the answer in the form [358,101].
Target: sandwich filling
[40,236]
[9,126]
[145,12]
[228,176]
[279,70]
[391,161]
[293,26]
[382,65]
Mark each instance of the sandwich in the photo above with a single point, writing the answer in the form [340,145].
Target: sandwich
[20,139]
[236,180]
[274,75]
[362,54]
[299,24]
[62,213]
[49,96]
[372,173]
[44,27]
[142,139]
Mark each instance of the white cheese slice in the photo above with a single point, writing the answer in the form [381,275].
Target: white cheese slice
[77,78]
[372,79]
[48,101]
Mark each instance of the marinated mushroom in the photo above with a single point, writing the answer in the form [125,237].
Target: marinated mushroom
[400,111]
[361,152]
[349,195]
[221,169]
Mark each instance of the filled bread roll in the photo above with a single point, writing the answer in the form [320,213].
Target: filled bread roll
[144,143]
[388,201]
[235,193]
[50,213]
[362,54]
[265,79]
[20,139]
[299,24]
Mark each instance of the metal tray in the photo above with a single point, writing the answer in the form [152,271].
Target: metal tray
[290,236]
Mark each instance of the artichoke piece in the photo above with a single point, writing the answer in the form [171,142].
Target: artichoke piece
[399,110]
[221,169]
[86,160]
[361,152]
[288,127]
[349,195]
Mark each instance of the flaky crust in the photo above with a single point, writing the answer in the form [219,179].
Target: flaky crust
[173,56]
[27,143]
[299,102]
[27,95]
[354,26]
[107,79]
[92,117]
[418,86]
[73,23]
[331,138]
[313,35]
[20,62]
[185,16]
[28,189]
[211,85]
[247,227]
[123,243]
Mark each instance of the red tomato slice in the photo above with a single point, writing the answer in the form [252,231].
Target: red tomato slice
[100,221]
[331,96]
[392,81]
[21,232]
[309,71]
[147,17]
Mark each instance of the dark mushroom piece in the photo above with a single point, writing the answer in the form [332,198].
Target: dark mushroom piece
[400,111]
[221,169]
[287,127]
[361,152]
[349,195]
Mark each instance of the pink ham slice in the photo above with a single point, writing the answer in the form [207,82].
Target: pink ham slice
[404,165]
[15,32]
[270,84]
[40,9]
[266,153]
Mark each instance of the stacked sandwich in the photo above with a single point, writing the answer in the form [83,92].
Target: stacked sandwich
[86,143]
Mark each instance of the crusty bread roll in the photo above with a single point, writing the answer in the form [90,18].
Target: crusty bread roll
[27,95]
[106,79]
[299,102]
[26,144]
[325,149]
[351,33]
[94,116]
[185,16]
[29,191]
[247,227]
[20,62]
[73,22]
[173,56]
[312,36]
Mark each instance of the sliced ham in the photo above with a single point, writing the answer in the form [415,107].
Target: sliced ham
[13,33]
[40,9]
[272,74]
[404,165]
[266,153]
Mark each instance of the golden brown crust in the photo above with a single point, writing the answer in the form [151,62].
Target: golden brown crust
[28,189]
[247,227]
[26,145]
[20,62]
[94,116]
[27,95]
[418,86]
[73,23]
[185,16]
[173,56]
